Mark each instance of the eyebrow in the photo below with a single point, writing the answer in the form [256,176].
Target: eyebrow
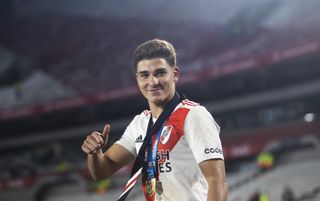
[157,70]
[143,72]
[160,69]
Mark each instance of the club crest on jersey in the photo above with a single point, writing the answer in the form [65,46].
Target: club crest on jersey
[165,134]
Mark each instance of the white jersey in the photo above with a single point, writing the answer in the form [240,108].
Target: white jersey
[189,137]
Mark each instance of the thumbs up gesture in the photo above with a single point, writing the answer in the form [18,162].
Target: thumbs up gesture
[95,141]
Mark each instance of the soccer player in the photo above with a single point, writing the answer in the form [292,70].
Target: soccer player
[182,160]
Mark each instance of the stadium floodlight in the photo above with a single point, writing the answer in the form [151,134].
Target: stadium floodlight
[309,117]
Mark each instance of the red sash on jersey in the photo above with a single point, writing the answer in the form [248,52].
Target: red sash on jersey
[170,136]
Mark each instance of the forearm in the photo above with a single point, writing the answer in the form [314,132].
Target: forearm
[98,165]
[217,191]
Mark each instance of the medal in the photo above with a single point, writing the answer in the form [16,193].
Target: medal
[150,186]
[159,188]
[150,168]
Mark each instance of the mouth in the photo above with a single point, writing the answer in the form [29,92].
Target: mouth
[154,90]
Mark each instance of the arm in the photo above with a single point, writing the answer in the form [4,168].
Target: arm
[214,172]
[202,132]
[102,165]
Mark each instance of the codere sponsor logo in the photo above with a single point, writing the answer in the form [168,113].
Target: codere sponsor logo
[213,150]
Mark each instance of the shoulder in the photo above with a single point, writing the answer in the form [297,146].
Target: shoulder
[140,118]
[194,111]
[198,114]
[193,107]
[189,103]
[145,113]
[185,107]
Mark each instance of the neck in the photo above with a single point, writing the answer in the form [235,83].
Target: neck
[157,108]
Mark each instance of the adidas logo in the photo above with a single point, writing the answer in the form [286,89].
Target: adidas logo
[139,139]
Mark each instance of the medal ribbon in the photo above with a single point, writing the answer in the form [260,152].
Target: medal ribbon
[151,168]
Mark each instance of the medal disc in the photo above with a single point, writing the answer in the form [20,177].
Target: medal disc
[150,186]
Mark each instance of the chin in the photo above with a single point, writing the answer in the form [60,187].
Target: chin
[157,99]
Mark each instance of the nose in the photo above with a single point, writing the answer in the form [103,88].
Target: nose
[154,80]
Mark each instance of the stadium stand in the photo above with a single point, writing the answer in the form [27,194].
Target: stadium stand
[33,90]
[294,170]
[6,59]
[273,182]
[76,50]
[255,69]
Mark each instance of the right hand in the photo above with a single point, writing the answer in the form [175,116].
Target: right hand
[95,141]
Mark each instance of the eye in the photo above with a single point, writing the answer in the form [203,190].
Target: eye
[160,73]
[144,75]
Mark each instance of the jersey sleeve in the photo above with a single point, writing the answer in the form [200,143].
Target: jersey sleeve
[127,139]
[202,135]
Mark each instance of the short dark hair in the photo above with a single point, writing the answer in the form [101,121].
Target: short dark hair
[155,48]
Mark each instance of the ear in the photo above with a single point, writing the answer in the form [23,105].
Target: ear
[176,73]
[136,75]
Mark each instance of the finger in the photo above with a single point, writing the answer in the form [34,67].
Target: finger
[98,138]
[88,149]
[94,140]
[105,131]
[84,148]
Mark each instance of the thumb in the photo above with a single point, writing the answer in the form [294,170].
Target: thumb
[105,132]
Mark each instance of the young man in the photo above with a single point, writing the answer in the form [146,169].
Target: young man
[187,149]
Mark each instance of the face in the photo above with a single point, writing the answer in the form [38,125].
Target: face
[156,80]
